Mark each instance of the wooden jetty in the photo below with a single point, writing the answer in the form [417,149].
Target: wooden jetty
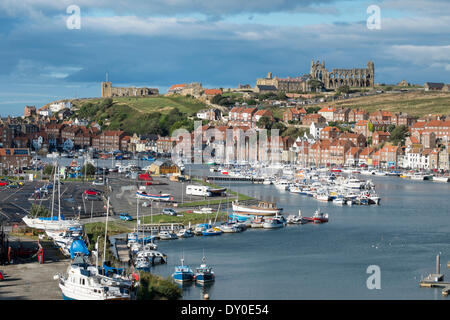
[123,253]
[436,280]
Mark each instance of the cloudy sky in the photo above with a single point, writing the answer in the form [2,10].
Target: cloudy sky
[221,43]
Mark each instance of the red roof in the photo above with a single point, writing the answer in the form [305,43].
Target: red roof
[212,92]
[327,109]
[177,86]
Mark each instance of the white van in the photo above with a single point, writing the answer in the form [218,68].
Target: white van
[198,191]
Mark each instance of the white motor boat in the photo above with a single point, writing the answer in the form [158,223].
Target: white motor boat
[83,282]
[153,255]
[230,228]
[441,179]
[166,235]
[295,189]
[204,210]
[339,201]
[272,223]
[323,197]
[353,183]
[282,184]
[185,233]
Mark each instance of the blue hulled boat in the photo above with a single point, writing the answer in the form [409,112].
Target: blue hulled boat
[204,273]
[183,273]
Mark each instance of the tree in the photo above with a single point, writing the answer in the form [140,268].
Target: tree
[398,135]
[264,123]
[294,132]
[48,169]
[88,169]
[39,211]
[370,127]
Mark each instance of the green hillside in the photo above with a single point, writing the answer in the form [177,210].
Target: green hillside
[143,115]
[162,104]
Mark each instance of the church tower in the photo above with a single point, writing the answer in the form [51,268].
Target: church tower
[106,89]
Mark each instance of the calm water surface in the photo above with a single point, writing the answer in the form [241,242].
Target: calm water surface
[402,236]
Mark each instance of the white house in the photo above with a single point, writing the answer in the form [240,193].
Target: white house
[315,129]
[58,106]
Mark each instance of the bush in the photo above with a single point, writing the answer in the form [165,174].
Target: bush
[153,287]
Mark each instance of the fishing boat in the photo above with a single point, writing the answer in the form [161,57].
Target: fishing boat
[183,273]
[156,197]
[318,217]
[166,235]
[264,208]
[204,273]
[296,218]
[82,282]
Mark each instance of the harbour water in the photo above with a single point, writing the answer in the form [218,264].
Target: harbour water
[328,261]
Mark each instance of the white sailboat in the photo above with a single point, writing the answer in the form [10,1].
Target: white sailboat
[52,223]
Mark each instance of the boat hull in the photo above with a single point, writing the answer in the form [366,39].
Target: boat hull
[255,210]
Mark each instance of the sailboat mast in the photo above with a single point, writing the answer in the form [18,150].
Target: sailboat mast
[106,230]
[53,191]
[59,197]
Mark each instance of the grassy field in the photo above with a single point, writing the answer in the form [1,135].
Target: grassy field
[414,103]
[144,105]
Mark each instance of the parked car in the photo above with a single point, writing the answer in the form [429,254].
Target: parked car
[146,204]
[13,185]
[169,212]
[125,216]
[92,192]
[91,197]
[3,183]
[98,183]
